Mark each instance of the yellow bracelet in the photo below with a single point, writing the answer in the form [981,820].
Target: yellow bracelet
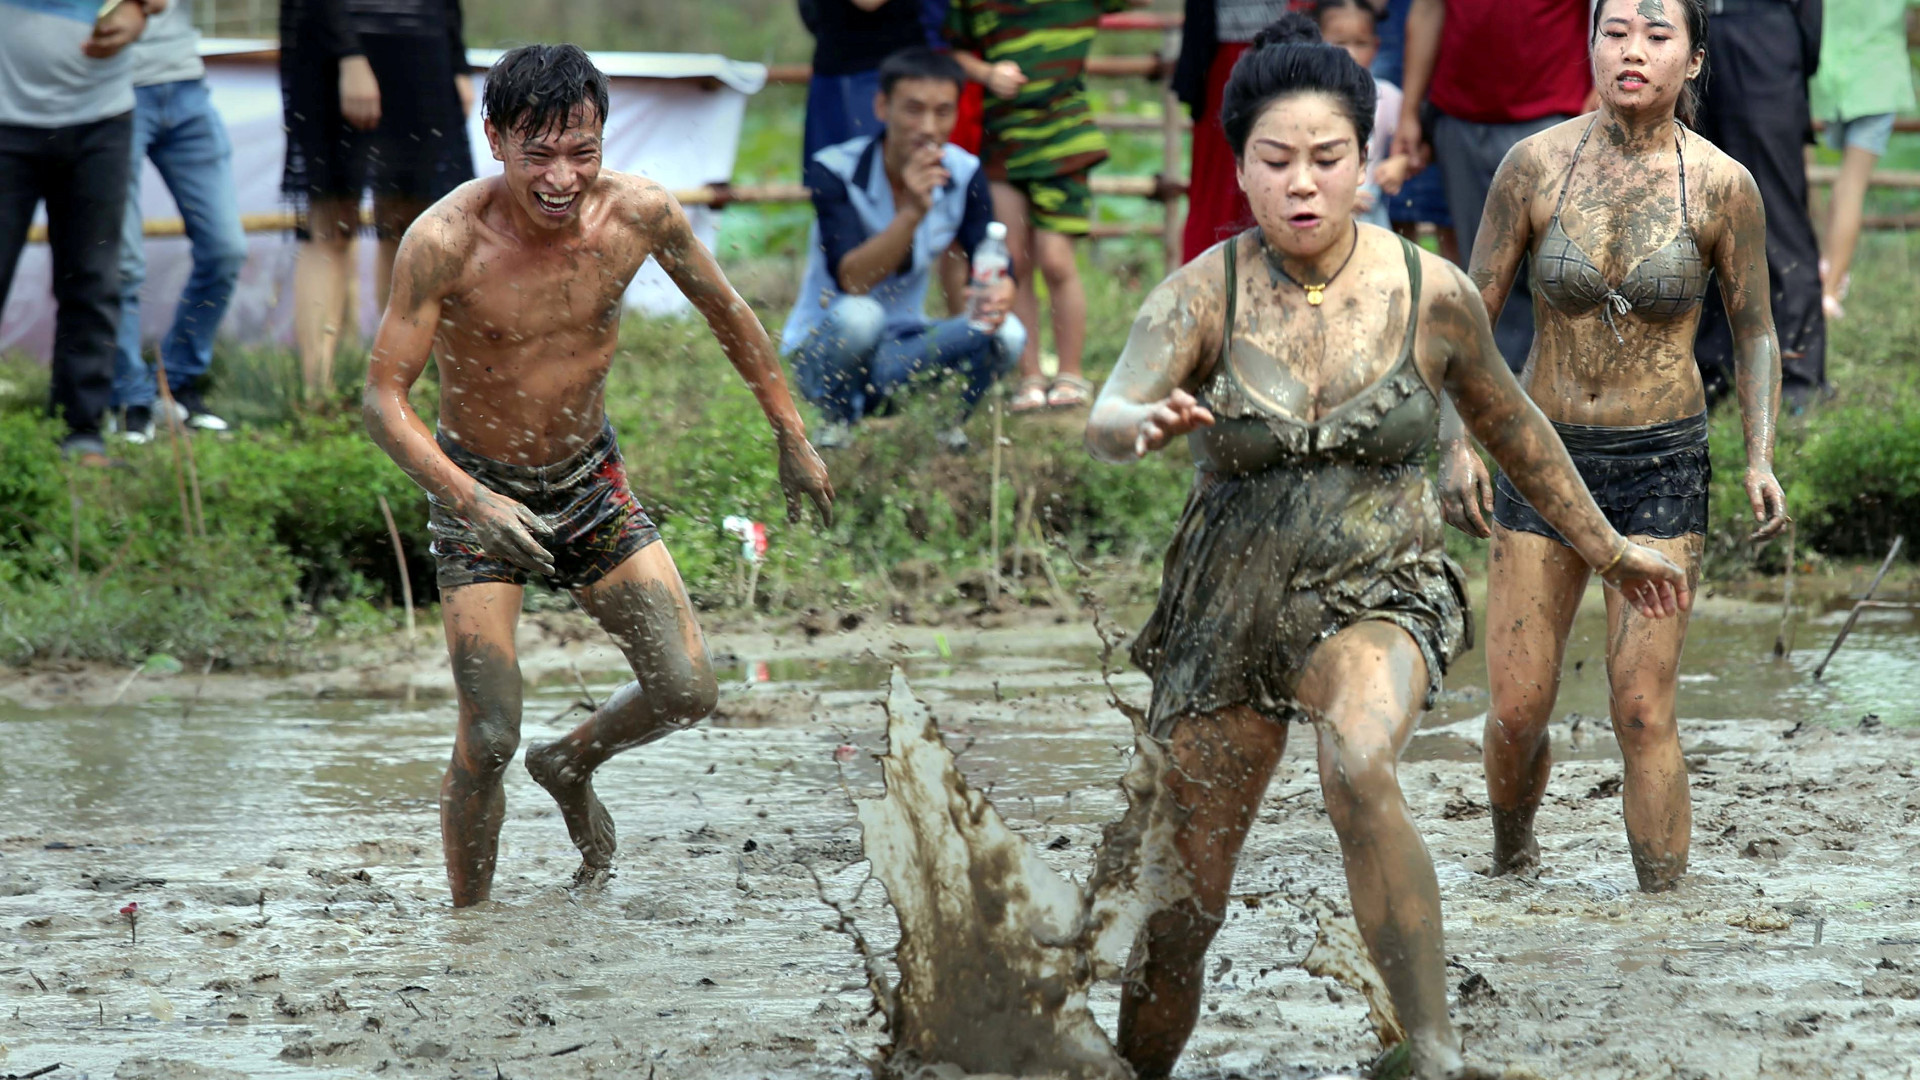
[1617,556]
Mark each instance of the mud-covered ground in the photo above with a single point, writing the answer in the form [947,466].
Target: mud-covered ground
[280,837]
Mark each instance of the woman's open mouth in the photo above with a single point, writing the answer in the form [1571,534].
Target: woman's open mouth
[1631,80]
[1303,220]
[555,204]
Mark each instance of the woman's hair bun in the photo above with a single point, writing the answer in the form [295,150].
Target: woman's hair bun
[1293,28]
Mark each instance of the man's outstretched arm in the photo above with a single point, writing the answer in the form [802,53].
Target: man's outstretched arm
[691,266]
[423,270]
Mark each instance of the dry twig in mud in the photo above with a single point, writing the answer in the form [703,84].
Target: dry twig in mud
[400,559]
[178,429]
[1866,600]
[118,694]
[993,512]
[592,705]
[1782,638]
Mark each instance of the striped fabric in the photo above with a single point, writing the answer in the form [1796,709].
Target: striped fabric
[1047,130]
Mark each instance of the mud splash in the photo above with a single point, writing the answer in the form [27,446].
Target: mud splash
[998,950]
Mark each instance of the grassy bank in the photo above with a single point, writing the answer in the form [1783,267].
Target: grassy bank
[102,563]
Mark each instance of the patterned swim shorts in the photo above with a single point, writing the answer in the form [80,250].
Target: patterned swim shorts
[584,499]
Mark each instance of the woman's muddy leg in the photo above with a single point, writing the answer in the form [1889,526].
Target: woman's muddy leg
[1221,763]
[1643,673]
[480,621]
[1365,688]
[1533,590]
[645,608]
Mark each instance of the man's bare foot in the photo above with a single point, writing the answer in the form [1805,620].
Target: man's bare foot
[588,822]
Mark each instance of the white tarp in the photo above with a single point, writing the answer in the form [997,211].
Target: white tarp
[675,118]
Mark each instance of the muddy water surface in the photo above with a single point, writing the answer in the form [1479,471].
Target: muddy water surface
[281,840]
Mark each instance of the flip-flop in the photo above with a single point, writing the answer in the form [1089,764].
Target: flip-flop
[1029,396]
[1069,392]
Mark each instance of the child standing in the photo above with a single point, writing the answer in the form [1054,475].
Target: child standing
[1039,145]
[1354,25]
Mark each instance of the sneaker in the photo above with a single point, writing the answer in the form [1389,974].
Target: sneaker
[193,412]
[837,435]
[85,449]
[138,425]
[954,440]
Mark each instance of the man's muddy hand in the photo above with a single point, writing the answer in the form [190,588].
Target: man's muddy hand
[1769,504]
[1466,491]
[1651,582]
[507,530]
[803,473]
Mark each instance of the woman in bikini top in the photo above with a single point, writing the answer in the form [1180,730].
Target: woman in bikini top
[1625,215]
[1306,579]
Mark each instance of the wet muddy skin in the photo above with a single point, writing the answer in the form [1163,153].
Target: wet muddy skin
[1792,947]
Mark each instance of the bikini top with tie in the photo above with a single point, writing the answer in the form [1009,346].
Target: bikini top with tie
[1391,422]
[1665,285]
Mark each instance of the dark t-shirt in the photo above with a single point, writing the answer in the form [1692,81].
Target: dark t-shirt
[1507,61]
[848,41]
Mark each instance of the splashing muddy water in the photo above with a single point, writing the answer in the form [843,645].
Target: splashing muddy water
[1792,949]
[998,950]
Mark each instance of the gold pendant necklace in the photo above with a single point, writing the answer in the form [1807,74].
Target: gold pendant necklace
[1316,294]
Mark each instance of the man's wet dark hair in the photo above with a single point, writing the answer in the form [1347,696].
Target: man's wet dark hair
[1696,24]
[1288,58]
[920,62]
[534,89]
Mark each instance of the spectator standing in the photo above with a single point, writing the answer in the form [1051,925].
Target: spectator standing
[1760,54]
[175,124]
[1865,78]
[376,94]
[851,38]
[889,206]
[1422,199]
[1040,143]
[1495,71]
[66,132]
[1213,34]
[1354,25]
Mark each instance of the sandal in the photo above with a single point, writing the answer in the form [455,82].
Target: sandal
[1030,396]
[1070,392]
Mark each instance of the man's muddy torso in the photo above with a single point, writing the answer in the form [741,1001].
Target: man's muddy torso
[529,324]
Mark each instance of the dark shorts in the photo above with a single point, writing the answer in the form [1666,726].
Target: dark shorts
[584,499]
[1649,481]
[1062,204]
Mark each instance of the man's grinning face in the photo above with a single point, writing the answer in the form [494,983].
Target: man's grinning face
[549,172]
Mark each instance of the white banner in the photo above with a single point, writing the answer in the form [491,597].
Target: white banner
[673,118]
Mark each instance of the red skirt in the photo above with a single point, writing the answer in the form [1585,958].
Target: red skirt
[1216,207]
[968,128]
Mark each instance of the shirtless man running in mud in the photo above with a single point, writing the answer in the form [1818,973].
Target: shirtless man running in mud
[514,283]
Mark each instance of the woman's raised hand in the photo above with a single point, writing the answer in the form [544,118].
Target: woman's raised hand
[1168,419]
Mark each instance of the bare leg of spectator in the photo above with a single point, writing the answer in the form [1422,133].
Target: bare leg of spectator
[1843,225]
[320,279]
[1066,298]
[391,218]
[1010,208]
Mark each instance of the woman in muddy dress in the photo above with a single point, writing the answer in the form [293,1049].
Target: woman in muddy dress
[1624,212]
[1306,579]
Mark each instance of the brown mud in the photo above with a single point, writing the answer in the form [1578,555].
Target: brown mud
[281,838]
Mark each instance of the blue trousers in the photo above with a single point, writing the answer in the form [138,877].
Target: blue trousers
[850,366]
[175,124]
[839,107]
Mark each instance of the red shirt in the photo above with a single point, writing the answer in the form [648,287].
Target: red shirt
[1506,61]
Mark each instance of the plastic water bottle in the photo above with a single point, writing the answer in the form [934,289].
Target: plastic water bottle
[990,265]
